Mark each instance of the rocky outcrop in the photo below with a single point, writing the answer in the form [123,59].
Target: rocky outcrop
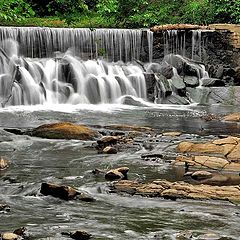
[64,130]
[228,147]
[64,192]
[175,190]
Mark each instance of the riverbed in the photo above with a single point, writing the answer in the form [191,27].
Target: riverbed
[35,160]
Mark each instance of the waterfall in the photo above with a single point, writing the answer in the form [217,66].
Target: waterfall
[65,79]
[174,42]
[113,44]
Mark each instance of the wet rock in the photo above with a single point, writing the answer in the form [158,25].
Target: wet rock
[64,130]
[212,82]
[175,99]
[201,175]
[80,235]
[10,236]
[16,131]
[211,236]
[108,140]
[150,85]
[200,148]
[4,164]
[130,128]
[129,100]
[214,163]
[177,82]
[191,81]
[174,190]
[118,173]
[20,231]
[4,207]
[219,72]
[235,117]
[110,150]
[64,192]
[172,134]
[184,235]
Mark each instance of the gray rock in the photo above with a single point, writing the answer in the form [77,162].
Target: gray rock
[191,81]
[212,82]
[177,82]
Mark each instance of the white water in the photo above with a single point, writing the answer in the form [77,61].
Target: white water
[113,44]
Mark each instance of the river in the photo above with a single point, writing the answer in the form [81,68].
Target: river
[70,162]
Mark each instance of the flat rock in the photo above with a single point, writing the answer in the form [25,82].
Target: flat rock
[172,134]
[174,190]
[200,148]
[214,163]
[234,154]
[129,128]
[228,140]
[235,117]
[64,130]
[64,192]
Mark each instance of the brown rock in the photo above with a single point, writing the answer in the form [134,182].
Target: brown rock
[4,164]
[200,148]
[80,235]
[214,163]
[234,155]
[185,146]
[118,173]
[235,117]
[64,192]
[108,140]
[173,190]
[228,140]
[201,175]
[10,236]
[64,130]
[129,128]
[110,150]
[172,134]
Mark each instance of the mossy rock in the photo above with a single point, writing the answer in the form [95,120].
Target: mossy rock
[64,130]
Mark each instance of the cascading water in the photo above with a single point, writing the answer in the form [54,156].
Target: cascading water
[63,65]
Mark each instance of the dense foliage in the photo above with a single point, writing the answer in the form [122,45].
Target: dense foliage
[119,13]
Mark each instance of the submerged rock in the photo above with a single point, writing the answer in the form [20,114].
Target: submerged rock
[64,130]
[64,192]
[174,190]
[118,173]
[78,235]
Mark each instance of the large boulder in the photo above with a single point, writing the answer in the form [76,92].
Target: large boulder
[64,130]
[116,174]
[64,192]
[164,69]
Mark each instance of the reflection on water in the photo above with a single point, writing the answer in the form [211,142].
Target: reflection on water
[71,162]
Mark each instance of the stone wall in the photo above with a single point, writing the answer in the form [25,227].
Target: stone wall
[216,46]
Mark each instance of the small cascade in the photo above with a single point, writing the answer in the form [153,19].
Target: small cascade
[65,79]
[174,42]
[112,44]
[197,45]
